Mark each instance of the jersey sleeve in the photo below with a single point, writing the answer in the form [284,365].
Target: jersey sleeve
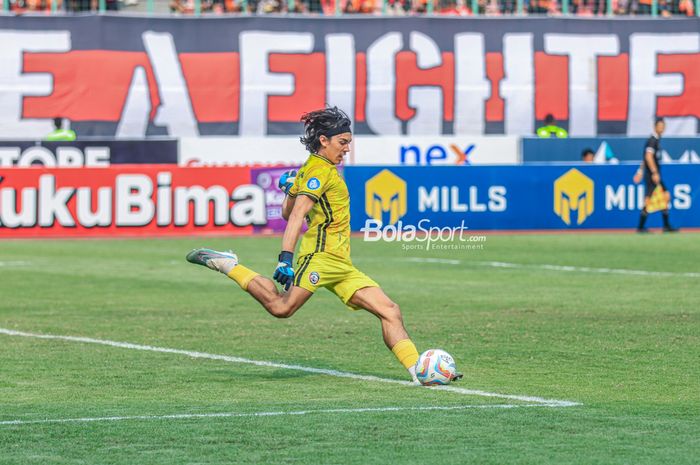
[652,145]
[312,182]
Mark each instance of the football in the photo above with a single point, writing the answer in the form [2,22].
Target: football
[435,367]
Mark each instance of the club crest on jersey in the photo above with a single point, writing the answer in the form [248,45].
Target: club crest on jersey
[314,278]
[313,184]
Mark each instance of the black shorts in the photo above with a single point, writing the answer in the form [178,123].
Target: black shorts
[650,186]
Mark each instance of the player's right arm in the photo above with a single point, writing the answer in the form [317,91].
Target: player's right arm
[302,206]
[651,163]
[639,174]
[284,273]
[288,206]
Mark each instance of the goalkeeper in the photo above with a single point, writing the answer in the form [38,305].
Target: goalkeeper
[651,168]
[318,194]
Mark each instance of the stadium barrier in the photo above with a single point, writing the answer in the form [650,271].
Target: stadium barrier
[365,150]
[515,197]
[134,77]
[87,153]
[608,149]
[162,200]
[167,200]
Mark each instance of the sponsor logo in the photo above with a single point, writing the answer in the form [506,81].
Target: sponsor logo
[313,184]
[435,154]
[385,193]
[573,191]
[314,278]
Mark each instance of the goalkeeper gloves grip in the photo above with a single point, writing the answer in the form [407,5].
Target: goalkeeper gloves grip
[284,273]
[287,181]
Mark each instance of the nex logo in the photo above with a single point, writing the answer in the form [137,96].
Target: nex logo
[435,154]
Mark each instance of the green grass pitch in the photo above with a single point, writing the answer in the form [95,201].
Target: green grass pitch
[625,345]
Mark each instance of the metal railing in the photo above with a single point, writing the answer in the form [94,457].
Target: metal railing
[590,8]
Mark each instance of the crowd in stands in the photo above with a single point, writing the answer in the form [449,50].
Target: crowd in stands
[665,8]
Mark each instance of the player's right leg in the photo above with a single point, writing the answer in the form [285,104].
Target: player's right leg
[279,305]
[374,300]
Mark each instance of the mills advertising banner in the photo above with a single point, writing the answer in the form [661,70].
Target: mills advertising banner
[185,77]
[515,197]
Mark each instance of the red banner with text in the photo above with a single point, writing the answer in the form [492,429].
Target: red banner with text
[129,200]
[131,77]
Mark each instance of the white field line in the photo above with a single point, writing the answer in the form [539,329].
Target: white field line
[320,371]
[14,263]
[543,266]
[186,416]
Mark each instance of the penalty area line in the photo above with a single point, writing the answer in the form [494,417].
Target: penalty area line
[263,363]
[188,416]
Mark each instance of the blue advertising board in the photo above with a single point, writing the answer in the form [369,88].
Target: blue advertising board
[516,197]
[680,149]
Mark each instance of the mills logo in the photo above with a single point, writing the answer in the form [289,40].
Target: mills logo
[385,193]
[573,191]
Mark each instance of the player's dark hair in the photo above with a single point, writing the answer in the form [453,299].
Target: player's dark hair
[58,123]
[586,152]
[549,119]
[658,120]
[327,122]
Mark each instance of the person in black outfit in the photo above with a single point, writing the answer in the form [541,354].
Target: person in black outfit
[651,168]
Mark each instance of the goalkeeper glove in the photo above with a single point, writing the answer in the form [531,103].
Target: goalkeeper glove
[284,273]
[287,181]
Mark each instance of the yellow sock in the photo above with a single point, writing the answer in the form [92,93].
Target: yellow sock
[242,275]
[406,352]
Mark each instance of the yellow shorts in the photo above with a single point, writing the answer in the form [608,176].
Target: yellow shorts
[335,274]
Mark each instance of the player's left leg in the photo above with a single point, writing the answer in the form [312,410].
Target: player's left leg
[262,289]
[375,301]
[667,223]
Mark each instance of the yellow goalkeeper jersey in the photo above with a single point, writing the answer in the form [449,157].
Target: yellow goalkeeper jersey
[329,219]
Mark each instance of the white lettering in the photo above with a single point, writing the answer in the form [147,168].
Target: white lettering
[381,84]
[9,216]
[53,204]
[456,206]
[518,84]
[472,89]
[175,111]
[682,199]
[257,82]
[646,84]
[426,100]
[133,203]
[249,207]
[497,199]
[583,51]
[102,215]
[18,84]
[428,200]
[200,198]
[474,204]
[615,197]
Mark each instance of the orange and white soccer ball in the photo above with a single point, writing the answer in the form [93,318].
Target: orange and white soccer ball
[435,367]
